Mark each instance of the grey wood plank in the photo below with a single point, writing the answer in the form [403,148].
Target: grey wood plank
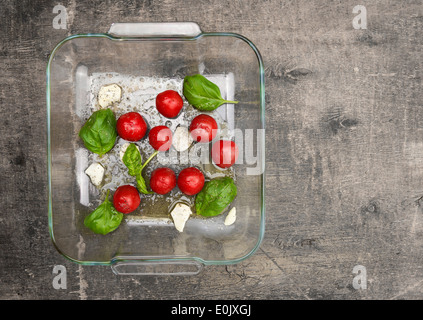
[343,151]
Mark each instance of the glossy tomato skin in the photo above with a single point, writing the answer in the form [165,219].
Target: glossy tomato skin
[169,103]
[160,138]
[203,128]
[162,180]
[126,199]
[131,126]
[224,153]
[190,181]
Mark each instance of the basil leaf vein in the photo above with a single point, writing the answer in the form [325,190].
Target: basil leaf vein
[202,93]
[141,185]
[216,195]
[99,132]
[105,218]
[133,161]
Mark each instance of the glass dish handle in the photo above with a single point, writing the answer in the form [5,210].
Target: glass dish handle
[155,29]
[128,266]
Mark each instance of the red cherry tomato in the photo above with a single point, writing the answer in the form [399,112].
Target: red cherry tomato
[224,153]
[131,126]
[190,181]
[203,128]
[169,103]
[126,199]
[160,138]
[162,180]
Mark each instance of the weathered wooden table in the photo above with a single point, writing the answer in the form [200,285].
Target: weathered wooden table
[344,150]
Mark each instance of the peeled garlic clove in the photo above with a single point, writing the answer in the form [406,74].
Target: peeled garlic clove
[180,214]
[109,94]
[96,173]
[231,217]
[181,139]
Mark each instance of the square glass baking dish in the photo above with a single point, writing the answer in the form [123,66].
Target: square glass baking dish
[145,59]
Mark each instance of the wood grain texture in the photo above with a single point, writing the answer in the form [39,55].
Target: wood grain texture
[344,152]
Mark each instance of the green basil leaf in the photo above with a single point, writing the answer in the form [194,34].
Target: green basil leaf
[215,196]
[105,218]
[132,160]
[141,185]
[99,132]
[202,93]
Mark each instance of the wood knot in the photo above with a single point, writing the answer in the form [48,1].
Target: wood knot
[371,208]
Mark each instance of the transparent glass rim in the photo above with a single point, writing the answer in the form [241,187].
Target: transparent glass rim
[262,120]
